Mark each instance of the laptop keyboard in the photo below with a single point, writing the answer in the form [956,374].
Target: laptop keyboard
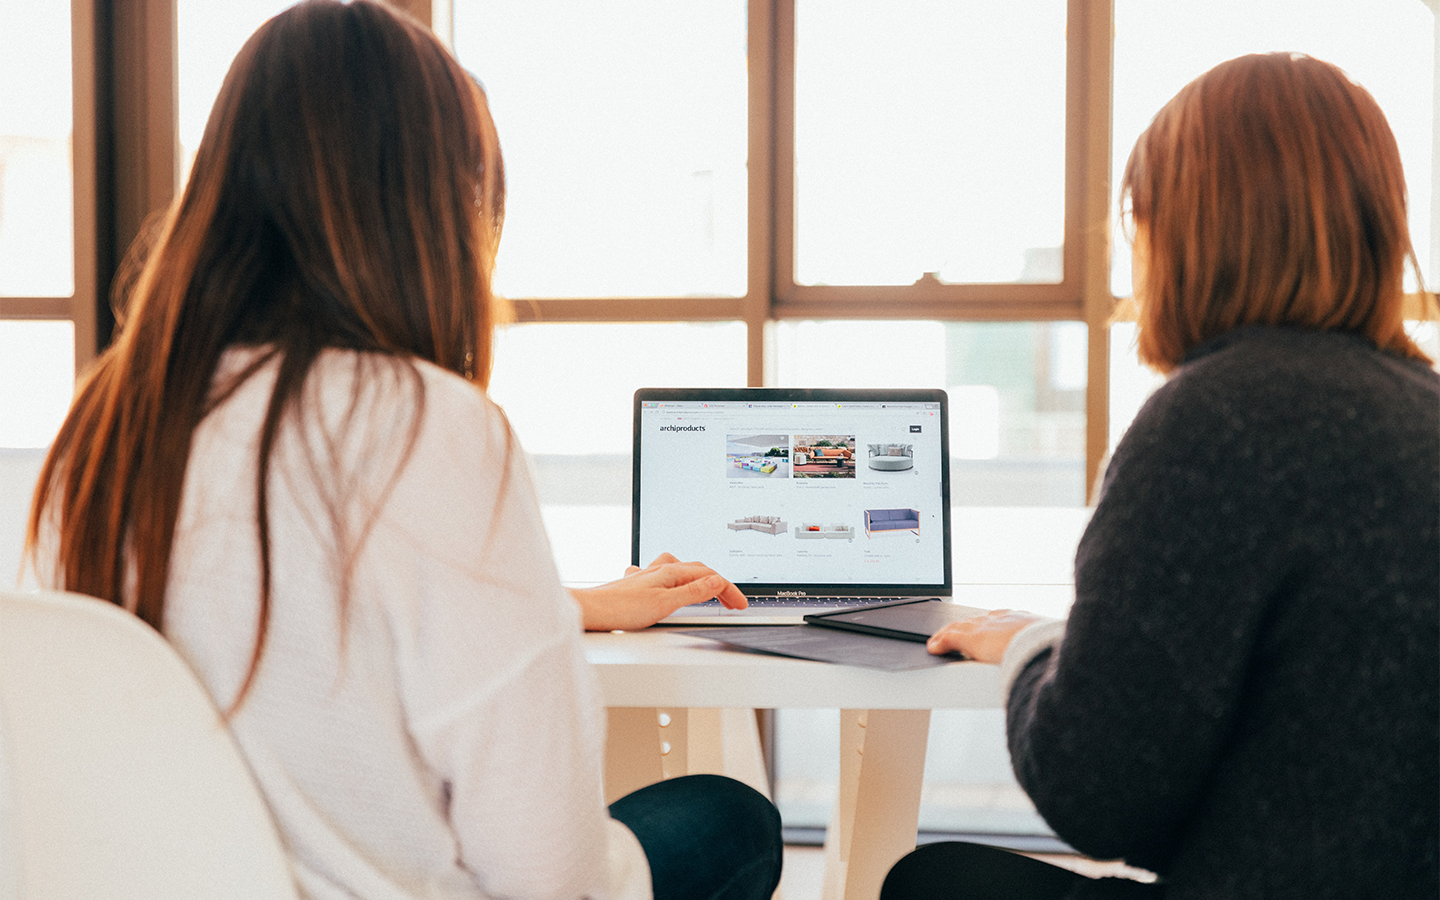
[808,601]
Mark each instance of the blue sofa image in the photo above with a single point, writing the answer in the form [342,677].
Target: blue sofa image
[891,520]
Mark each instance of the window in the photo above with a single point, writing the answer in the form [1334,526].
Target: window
[1016,391]
[624,130]
[1388,46]
[37,371]
[36,225]
[929,142]
[37,242]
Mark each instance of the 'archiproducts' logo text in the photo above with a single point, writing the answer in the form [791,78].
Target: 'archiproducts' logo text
[682,427]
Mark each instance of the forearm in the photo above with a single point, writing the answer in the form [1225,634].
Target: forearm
[595,613]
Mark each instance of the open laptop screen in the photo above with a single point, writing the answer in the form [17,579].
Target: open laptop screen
[838,491]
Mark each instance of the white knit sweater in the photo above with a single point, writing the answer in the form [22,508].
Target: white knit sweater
[442,737]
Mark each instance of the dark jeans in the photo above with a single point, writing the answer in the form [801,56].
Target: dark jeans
[953,870]
[706,837]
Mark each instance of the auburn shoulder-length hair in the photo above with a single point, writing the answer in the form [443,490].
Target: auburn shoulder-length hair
[347,193]
[1269,191]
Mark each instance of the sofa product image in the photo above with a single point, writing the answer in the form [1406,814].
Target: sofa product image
[891,457]
[817,532]
[767,524]
[757,463]
[828,455]
[884,520]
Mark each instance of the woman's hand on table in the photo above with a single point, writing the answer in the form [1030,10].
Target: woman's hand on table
[645,596]
[981,638]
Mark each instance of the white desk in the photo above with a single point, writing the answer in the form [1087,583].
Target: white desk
[706,693]
[659,667]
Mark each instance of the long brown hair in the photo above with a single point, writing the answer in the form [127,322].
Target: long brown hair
[1268,191]
[348,193]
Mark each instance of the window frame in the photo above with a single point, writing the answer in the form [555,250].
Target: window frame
[126,167]
[772,292]
[78,308]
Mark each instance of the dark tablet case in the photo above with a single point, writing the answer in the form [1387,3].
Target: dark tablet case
[908,620]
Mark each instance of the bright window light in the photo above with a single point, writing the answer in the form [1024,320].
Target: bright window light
[37,234]
[1387,46]
[37,379]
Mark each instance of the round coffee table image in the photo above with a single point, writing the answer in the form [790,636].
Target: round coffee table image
[891,457]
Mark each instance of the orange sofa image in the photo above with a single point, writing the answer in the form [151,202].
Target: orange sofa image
[834,455]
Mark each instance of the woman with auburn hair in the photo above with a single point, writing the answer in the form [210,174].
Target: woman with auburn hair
[286,463]
[1243,699]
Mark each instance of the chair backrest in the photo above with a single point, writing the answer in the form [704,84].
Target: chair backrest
[118,778]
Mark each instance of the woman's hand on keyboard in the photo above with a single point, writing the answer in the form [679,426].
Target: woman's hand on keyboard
[645,596]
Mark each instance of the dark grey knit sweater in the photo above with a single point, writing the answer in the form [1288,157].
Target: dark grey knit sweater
[1245,699]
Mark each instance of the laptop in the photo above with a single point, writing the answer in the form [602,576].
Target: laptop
[808,500]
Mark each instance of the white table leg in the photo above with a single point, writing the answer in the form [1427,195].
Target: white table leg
[741,755]
[882,765]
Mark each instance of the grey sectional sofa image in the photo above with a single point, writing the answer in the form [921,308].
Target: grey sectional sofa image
[767,524]
[888,520]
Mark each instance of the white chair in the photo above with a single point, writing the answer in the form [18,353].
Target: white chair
[118,778]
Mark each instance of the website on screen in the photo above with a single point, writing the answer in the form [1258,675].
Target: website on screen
[803,492]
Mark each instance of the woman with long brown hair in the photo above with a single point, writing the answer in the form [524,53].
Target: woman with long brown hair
[1244,698]
[287,464]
